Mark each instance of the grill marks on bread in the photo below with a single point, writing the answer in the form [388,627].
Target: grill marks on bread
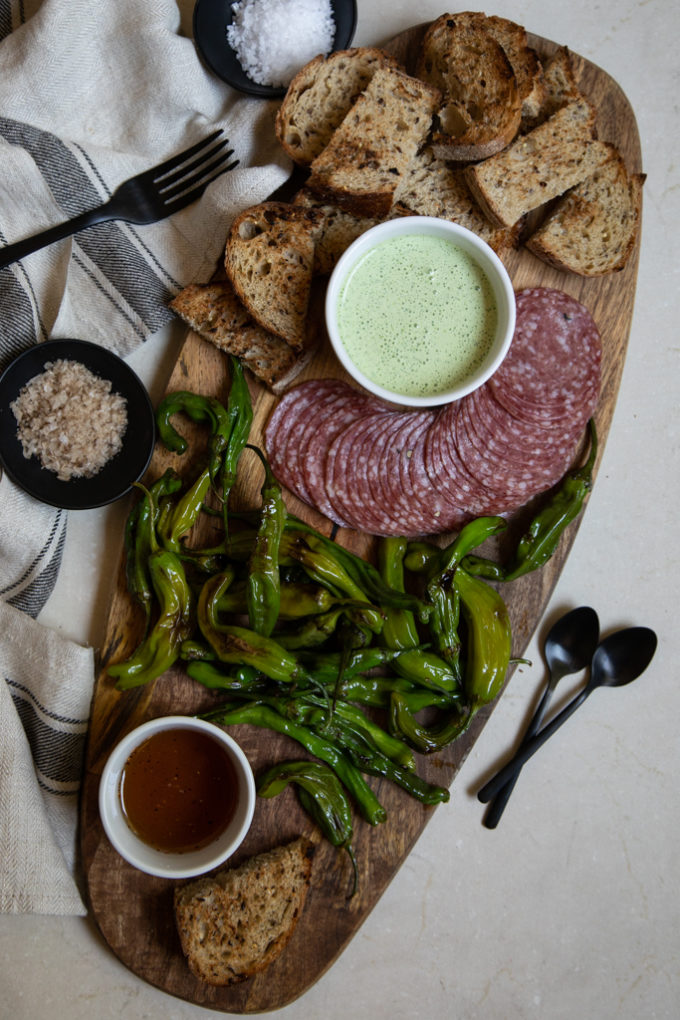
[539,166]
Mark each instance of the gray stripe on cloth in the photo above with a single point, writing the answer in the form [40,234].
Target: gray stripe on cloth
[6,19]
[31,590]
[105,244]
[57,743]
[17,322]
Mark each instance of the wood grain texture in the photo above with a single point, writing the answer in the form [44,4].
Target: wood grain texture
[134,911]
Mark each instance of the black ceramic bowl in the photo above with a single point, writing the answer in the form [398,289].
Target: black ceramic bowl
[211,18]
[117,476]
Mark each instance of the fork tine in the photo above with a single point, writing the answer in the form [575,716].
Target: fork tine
[182,183]
[187,170]
[182,157]
[180,199]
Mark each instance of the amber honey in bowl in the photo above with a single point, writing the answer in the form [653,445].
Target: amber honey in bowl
[179,790]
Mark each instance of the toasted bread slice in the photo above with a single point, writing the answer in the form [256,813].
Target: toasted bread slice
[593,229]
[337,229]
[560,87]
[524,60]
[360,167]
[430,187]
[269,258]
[214,311]
[320,96]
[234,924]
[481,108]
[539,166]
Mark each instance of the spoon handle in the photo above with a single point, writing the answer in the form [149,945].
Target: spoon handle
[526,751]
[493,815]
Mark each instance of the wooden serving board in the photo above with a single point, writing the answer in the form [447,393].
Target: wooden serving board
[133,910]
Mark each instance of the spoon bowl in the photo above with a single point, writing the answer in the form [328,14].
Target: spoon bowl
[622,657]
[571,643]
[569,647]
[618,660]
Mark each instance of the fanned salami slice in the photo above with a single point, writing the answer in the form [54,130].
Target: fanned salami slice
[403,491]
[378,465]
[348,488]
[553,366]
[371,467]
[327,424]
[287,427]
[465,494]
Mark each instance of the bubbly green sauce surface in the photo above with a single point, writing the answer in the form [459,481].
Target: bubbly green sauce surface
[417,315]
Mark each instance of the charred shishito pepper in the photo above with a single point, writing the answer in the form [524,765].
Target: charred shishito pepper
[242,645]
[321,795]
[160,649]
[488,638]
[263,590]
[140,539]
[540,540]
[257,714]
[230,428]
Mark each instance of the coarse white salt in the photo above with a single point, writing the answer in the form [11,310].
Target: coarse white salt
[70,419]
[273,39]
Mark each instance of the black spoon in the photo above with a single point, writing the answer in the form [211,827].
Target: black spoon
[618,660]
[569,648]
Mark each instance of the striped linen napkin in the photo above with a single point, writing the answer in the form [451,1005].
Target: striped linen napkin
[90,94]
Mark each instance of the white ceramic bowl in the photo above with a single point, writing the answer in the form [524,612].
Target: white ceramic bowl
[483,257]
[139,853]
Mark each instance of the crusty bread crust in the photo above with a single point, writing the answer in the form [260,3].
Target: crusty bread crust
[592,230]
[560,87]
[214,311]
[481,108]
[234,924]
[269,258]
[360,167]
[320,96]
[430,187]
[337,229]
[538,166]
[524,60]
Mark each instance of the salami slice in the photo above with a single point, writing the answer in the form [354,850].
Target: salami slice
[467,496]
[288,426]
[405,484]
[347,482]
[327,425]
[552,369]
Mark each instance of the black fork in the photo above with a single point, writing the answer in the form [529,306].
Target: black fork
[147,198]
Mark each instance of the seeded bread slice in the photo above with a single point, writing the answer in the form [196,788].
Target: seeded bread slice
[593,229]
[560,87]
[481,108]
[524,60]
[214,312]
[337,229]
[320,96]
[269,258]
[234,924]
[430,187]
[360,167]
[539,166]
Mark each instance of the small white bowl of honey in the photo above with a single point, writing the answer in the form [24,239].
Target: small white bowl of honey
[177,797]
